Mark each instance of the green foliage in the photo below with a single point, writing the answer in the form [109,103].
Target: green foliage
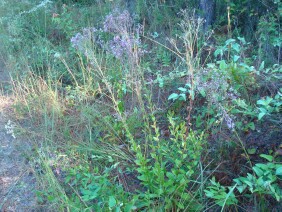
[108,113]
[97,191]
[269,37]
[182,95]
[171,167]
[222,195]
[162,15]
[264,181]
[270,105]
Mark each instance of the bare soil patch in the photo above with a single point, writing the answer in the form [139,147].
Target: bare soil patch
[17,183]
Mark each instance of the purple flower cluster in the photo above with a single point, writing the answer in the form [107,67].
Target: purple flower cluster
[125,44]
[216,85]
[229,122]
[229,119]
[118,22]
[218,91]
[79,40]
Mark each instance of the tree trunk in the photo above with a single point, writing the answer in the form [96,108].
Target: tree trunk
[207,8]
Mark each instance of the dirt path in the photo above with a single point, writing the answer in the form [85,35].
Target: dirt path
[17,183]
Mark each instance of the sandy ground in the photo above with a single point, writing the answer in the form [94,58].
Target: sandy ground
[17,183]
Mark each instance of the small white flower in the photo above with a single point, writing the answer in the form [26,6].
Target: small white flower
[10,129]
[57,55]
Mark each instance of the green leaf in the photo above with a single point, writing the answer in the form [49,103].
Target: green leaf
[263,166]
[249,183]
[112,201]
[129,207]
[231,40]
[261,102]
[241,103]
[251,125]
[182,96]
[160,80]
[219,51]
[202,92]
[236,47]
[241,188]
[243,41]
[222,64]
[267,157]
[173,96]
[236,58]
[261,115]
[258,171]
[188,85]
[50,198]
[265,102]
[121,106]
[251,151]
[182,89]
[279,171]
[261,67]
[170,175]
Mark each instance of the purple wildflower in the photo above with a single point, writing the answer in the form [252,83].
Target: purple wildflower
[125,44]
[76,40]
[229,121]
[79,40]
[122,46]
[117,22]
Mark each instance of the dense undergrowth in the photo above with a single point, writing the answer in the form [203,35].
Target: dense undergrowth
[138,108]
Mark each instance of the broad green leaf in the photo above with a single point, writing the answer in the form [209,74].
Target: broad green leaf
[170,175]
[267,157]
[261,67]
[258,171]
[112,201]
[50,198]
[263,166]
[219,51]
[279,171]
[241,103]
[236,58]
[249,183]
[261,115]
[262,110]
[265,102]
[188,85]
[160,81]
[182,96]
[242,39]
[236,47]
[241,188]
[173,96]
[229,41]
[251,151]
[251,125]
[182,89]
[202,92]
[222,64]
[211,121]
[261,102]
[209,193]
[129,207]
